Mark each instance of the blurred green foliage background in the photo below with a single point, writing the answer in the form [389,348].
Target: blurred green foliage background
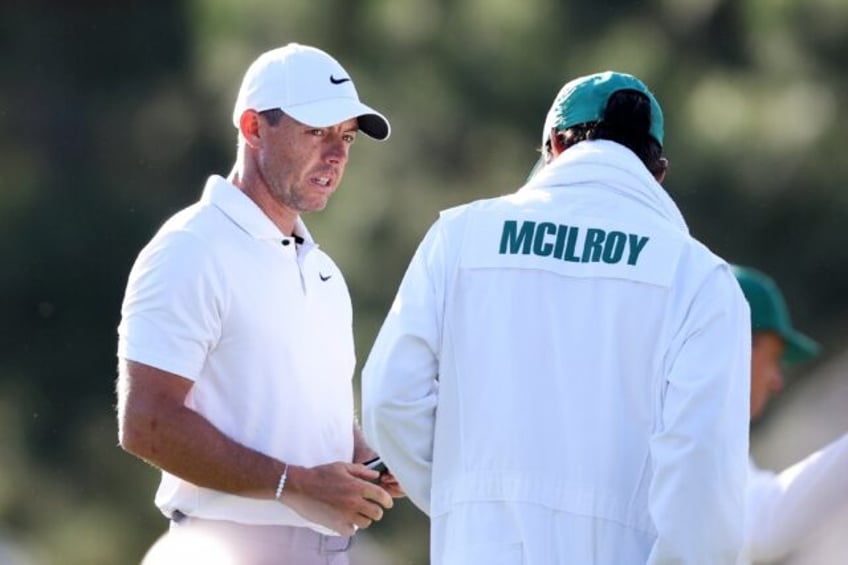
[112,114]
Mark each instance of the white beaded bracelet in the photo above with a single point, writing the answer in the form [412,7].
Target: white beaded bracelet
[282,484]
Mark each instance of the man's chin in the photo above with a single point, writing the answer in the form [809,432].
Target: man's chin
[755,413]
[314,208]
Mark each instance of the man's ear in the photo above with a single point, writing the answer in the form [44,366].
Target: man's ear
[557,143]
[660,175]
[249,127]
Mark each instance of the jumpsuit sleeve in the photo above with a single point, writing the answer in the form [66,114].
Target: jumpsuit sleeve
[400,378]
[700,448]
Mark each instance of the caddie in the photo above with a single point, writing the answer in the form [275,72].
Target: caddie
[563,375]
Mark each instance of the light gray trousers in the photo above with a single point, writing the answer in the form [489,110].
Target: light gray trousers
[247,544]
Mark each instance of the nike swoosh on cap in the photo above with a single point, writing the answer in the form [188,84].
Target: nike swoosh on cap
[335,80]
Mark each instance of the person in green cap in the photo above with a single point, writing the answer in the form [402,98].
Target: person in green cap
[784,509]
[563,376]
[774,341]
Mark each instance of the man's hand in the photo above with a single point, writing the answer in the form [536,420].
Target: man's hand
[391,485]
[336,495]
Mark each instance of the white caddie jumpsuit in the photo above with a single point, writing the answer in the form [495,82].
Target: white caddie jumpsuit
[563,377]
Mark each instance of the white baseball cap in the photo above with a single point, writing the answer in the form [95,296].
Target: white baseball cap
[310,86]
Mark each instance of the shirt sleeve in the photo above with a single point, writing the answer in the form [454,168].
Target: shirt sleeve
[400,377]
[784,509]
[700,451]
[171,314]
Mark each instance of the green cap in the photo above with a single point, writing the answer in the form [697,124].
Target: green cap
[583,100]
[769,313]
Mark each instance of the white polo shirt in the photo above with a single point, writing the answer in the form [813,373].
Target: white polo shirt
[262,325]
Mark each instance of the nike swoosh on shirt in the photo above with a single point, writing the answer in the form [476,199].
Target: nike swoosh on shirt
[335,80]
[323,277]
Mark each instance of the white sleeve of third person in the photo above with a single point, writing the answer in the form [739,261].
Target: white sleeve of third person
[785,509]
[700,447]
[399,380]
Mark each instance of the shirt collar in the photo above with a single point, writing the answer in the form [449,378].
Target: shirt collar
[237,206]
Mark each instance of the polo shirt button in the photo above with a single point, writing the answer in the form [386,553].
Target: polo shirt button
[286,242]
